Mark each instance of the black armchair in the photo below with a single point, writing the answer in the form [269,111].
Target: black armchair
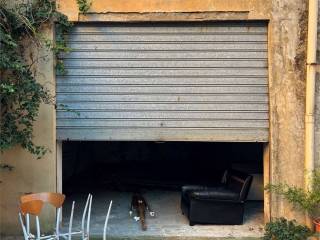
[220,204]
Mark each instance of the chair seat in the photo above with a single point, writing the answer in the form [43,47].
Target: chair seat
[219,193]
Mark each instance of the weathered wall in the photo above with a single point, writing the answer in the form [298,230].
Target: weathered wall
[287,97]
[317,109]
[258,9]
[317,120]
[30,174]
[287,46]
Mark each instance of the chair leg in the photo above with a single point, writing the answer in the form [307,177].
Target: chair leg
[71,220]
[25,234]
[106,222]
[28,223]
[84,216]
[88,218]
[58,223]
[38,228]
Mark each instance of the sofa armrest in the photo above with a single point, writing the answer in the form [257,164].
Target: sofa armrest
[214,194]
[189,188]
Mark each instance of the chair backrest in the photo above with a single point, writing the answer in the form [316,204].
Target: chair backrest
[55,199]
[32,207]
[239,182]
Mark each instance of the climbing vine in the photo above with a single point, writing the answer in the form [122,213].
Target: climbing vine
[20,93]
[84,6]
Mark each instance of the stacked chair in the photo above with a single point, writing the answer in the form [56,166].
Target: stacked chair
[32,204]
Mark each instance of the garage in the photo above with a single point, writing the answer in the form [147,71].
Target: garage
[162,94]
[165,82]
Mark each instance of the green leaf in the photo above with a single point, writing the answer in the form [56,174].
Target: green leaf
[20,93]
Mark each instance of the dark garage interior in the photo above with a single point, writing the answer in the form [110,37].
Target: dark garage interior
[115,170]
[166,165]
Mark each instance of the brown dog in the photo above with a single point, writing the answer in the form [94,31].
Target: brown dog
[140,206]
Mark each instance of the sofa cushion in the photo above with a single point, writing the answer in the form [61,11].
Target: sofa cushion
[219,193]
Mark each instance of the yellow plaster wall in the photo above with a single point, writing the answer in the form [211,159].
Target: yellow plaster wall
[287,65]
[256,8]
[30,174]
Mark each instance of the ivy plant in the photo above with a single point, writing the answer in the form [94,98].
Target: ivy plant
[84,6]
[20,93]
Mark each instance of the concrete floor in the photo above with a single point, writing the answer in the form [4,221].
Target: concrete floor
[169,223]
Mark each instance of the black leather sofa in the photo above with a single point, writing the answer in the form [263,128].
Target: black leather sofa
[219,204]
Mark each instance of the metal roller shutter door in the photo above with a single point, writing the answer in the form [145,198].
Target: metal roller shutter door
[165,82]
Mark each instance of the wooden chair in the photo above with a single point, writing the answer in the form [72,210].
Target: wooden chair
[32,207]
[54,199]
[57,200]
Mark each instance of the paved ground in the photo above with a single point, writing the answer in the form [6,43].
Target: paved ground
[169,222]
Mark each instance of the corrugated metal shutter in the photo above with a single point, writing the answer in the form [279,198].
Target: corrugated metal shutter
[166,82]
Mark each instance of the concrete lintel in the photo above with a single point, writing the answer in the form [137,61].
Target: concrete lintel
[253,9]
[172,17]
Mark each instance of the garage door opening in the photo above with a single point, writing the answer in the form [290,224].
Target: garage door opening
[200,87]
[115,170]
